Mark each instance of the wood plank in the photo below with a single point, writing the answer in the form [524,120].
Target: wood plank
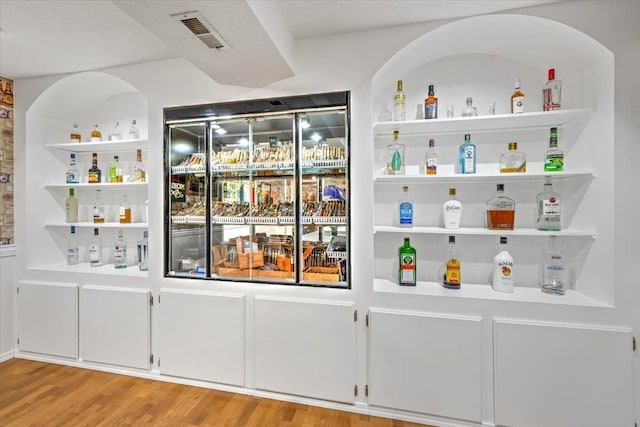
[36,393]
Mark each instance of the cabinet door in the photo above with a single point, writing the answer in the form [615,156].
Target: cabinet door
[48,318]
[426,363]
[305,348]
[202,336]
[115,326]
[558,375]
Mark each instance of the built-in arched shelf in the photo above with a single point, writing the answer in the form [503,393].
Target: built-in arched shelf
[480,57]
[84,99]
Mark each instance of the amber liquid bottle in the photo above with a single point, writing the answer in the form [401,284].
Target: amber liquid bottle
[96,135]
[431,105]
[95,174]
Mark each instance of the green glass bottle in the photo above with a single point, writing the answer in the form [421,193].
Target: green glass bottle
[407,272]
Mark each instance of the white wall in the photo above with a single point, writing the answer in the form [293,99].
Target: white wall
[7,303]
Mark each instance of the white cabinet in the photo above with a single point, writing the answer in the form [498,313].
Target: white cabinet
[427,363]
[305,348]
[202,335]
[115,326]
[559,375]
[48,318]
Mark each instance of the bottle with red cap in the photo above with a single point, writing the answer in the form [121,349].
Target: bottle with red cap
[551,92]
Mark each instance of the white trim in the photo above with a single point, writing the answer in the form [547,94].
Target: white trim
[7,355]
[7,250]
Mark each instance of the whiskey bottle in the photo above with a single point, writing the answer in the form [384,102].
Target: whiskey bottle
[395,156]
[139,173]
[501,211]
[125,210]
[552,276]
[467,156]
[452,211]
[503,269]
[551,92]
[143,252]
[98,211]
[405,209]
[469,110]
[73,253]
[431,159]
[407,271]
[452,270]
[120,251]
[134,133]
[95,249]
[115,134]
[71,207]
[95,174]
[72,176]
[553,157]
[96,135]
[115,170]
[431,105]
[399,103]
[548,203]
[517,99]
[74,135]
[513,160]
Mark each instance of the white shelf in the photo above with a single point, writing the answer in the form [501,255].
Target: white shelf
[102,146]
[444,178]
[102,186]
[87,224]
[477,231]
[476,291]
[495,123]
[84,267]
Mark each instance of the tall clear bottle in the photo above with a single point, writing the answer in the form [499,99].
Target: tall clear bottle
[548,203]
[551,92]
[517,99]
[431,159]
[407,269]
[73,253]
[139,172]
[98,210]
[552,269]
[134,133]
[395,156]
[467,156]
[95,249]
[119,251]
[115,134]
[452,269]
[399,103]
[71,207]
[405,208]
[72,176]
[553,157]
[503,269]
[143,251]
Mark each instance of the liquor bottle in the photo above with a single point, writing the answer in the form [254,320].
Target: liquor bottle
[143,252]
[134,133]
[125,210]
[95,174]
[95,249]
[395,156]
[96,135]
[120,251]
[399,103]
[452,211]
[552,279]
[513,160]
[139,173]
[452,276]
[71,207]
[74,135]
[469,110]
[467,156]
[503,269]
[517,99]
[431,159]
[72,176]
[431,105]
[98,210]
[551,92]
[407,271]
[548,202]
[1,94]
[115,170]
[405,209]
[8,94]
[553,157]
[116,134]
[501,211]
[73,253]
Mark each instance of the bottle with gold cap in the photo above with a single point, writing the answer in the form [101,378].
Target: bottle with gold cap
[395,156]
[513,160]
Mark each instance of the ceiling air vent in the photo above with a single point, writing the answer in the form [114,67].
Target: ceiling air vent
[199,27]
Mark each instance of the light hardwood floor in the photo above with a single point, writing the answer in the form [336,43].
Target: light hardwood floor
[43,394]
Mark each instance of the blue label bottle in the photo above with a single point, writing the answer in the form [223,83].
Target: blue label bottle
[405,209]
[467,156]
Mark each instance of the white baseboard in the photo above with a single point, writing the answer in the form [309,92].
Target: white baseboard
[8,355]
